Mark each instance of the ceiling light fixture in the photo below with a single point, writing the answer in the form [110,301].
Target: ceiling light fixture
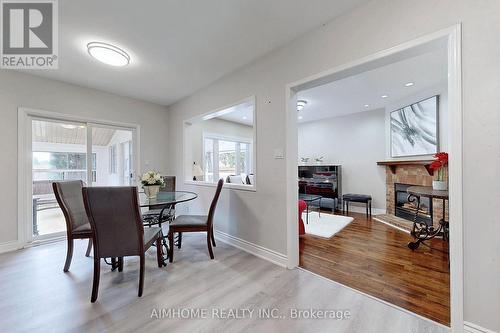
[108,54]
[384,96]
[244,117]
[409,84]
[300,117]
[301,104]
[366,105]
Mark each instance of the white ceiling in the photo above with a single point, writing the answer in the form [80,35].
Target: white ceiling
[66,133]
[178,47]
[241,114]
[350,95]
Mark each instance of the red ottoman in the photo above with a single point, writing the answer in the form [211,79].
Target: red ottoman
[302,207]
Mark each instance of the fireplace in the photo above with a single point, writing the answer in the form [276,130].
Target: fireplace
[405,209]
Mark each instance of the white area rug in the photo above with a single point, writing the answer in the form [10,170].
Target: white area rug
[325,226]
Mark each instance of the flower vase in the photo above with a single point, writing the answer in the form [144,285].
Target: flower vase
[439,185]
[151,191]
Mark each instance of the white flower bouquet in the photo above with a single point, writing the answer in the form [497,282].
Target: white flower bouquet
[152,178]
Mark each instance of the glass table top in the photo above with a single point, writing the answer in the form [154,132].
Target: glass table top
[166,198]
[309,197]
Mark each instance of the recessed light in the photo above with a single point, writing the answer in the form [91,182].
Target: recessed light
[384,96]
[244,118]
[301,104]
[300,117]
[366,105]
[409,84]
[108,54]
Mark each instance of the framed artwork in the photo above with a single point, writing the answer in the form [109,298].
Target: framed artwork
[414,129]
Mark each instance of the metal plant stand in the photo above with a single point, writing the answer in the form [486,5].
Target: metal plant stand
[422,231]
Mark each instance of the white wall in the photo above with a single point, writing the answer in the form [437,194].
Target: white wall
[260,217]
[22,90]
[443,116]
[355,141]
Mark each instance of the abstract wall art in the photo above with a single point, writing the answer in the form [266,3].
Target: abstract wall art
[414,129]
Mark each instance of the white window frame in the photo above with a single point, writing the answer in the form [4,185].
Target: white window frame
[113,154]
[216,137]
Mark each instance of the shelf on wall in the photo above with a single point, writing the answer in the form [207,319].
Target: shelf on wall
[393,164]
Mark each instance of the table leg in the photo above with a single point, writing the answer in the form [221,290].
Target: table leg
[307,213]
[319,208]
[421,231]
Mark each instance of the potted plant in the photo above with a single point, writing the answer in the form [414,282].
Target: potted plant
[151,182]
[439,165]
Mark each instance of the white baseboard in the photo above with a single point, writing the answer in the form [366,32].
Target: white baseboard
[473,328]
[256,250]
[10,246]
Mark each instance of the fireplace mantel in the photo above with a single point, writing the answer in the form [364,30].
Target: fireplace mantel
[393,164]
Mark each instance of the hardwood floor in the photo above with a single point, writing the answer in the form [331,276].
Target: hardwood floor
[37,296]
[372,257]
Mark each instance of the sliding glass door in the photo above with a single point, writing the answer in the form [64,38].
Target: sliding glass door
[113,149]
[60,151]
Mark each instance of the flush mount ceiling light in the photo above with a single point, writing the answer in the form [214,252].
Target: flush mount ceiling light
[301,104]
[108,54]
[366,105]
[244,117]
[300,117]
[384,96]
[409,84]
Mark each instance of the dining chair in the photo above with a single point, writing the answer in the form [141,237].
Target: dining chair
[69,197]
[195,223]
[115,217]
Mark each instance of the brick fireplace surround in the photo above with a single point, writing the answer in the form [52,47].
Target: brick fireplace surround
[415,175]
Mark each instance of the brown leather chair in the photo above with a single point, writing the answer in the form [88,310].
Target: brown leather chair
[115,217]
[69,197]
[195,223]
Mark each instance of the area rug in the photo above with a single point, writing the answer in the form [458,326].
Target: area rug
[325,226]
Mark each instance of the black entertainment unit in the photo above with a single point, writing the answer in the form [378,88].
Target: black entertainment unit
[324,180]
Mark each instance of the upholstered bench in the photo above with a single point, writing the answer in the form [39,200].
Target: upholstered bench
[363,198]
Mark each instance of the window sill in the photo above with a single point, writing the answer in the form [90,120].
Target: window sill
[238,187]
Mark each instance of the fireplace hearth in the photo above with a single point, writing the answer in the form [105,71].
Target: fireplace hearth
[405,209]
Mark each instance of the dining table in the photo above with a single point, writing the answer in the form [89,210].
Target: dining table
[165,202]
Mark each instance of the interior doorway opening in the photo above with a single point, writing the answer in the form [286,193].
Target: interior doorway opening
[450,140]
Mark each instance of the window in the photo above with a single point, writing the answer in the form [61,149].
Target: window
[112,159]
[231,157]
[61,165]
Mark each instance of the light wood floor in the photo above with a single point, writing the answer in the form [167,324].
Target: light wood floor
[374,258]
[36,296]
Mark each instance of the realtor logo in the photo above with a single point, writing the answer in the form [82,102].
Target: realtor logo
[29,34]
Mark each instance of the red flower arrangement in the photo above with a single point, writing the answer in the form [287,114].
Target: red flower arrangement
[439,164]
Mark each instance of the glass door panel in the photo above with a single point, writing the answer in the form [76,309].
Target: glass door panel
[112,149]
[58,153]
